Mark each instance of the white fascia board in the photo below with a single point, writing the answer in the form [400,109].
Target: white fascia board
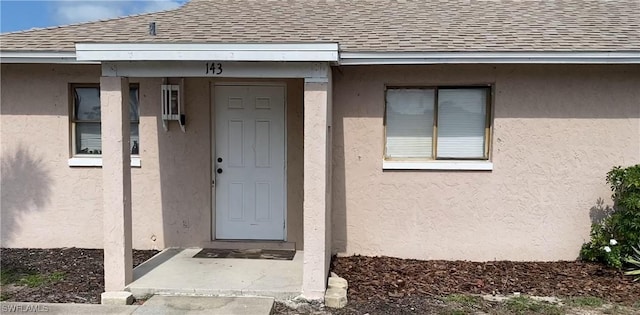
[407,58]
[214,52]
[41,57]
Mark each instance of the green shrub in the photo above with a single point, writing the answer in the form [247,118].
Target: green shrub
[613,238]
[634,261]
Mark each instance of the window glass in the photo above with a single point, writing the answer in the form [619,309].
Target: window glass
[450,121]
[134,144]
[87,103]
[88,138]
[134,114]
[409,123]
[461,123]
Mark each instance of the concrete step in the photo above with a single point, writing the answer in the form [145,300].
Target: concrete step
[195,305]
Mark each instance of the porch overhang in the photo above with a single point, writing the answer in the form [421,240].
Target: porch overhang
[326,52]
[317,137]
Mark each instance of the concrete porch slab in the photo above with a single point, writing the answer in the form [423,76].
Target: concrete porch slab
[192,305]
[178,273]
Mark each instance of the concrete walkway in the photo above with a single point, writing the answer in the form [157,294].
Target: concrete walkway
[156,305]
[176,272]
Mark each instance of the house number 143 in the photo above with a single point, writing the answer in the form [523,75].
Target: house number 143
[213,68]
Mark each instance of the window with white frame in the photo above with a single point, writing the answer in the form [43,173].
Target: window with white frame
[437,123]
[86,123]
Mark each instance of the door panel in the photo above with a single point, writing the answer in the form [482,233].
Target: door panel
[249,180]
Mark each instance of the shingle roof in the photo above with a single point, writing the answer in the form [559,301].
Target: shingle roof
[368,25]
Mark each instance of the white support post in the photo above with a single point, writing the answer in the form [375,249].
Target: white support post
[317,186]
[116,182]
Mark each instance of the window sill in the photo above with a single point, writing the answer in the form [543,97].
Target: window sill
[97,161]
[439,165]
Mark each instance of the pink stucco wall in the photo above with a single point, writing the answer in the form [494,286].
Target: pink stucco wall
[557,130]
[45,203]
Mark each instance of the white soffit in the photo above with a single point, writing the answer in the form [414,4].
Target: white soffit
[409,58]
[215,52]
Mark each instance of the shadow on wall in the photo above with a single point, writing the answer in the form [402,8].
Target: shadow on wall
[338,173]
[597,214]
[600,211]
[22,171]
[185,171]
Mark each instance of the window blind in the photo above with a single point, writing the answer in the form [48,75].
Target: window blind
[88,139]
[461,123]
[409,123]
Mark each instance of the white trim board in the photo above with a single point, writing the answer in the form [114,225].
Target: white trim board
[97,161]
[159,69]
[93,53]
[439,165]
[399,58]
[51,57]
[213,52]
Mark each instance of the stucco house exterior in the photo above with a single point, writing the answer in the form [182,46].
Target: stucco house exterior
[459,130]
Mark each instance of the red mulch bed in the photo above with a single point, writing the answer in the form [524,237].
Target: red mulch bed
[83,273]
[386,278]
[376,283]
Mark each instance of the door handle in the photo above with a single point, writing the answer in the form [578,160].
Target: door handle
[219,171]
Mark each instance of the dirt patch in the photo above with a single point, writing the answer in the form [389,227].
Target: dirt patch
[59,275]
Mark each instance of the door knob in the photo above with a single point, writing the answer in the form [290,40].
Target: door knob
[219,160]
[219,171]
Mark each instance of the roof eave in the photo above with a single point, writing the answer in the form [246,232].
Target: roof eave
[95,53]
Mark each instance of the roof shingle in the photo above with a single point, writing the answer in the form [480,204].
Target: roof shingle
[367,25]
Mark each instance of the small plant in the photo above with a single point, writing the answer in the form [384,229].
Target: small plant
[56,277]
[634,260]
[9,275]
[33,281]
[526,305]
[613,238]
[38,280]
[589,301]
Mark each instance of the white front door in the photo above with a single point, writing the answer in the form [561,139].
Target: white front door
[249,162]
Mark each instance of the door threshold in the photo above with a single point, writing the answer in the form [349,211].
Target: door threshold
[249,244]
